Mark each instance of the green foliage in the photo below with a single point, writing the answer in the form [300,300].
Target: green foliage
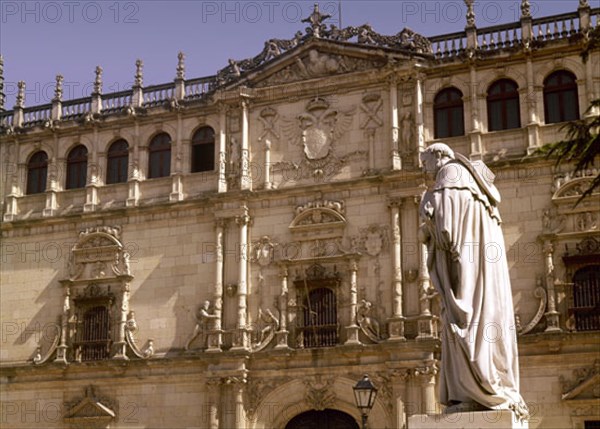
[581,145]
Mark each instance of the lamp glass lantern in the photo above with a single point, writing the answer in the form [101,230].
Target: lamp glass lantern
[364,395]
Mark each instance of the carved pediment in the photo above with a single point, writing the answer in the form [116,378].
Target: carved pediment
[319,219]
[585,385]
[90,411]
[316,63]
[275,50]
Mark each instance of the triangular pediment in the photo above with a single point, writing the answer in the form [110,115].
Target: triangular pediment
[90,411]
[585,386]
[314,60]
[322,50]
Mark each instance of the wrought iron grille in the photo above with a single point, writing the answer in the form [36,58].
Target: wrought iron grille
[93,337]
[319,325]
[585,305]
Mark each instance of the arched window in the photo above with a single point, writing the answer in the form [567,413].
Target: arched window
[203,150]
[503,105]
[77,167]
[448,114]
[37,171]
[159,162]
[118,159]
[561,101]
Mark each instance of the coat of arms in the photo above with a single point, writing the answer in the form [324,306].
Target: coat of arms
[320,126]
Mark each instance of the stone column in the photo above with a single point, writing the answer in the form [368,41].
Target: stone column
[177,179]
[134,169]
[12,198]
[245,180]
[352,329]
[222,185]
[475,133]
[121,344]
[552,316]
[241,337]
[215,338]
[91,189]
[395,129]
[419,119]
[267,166]
[426,379]
[61,350]
[52,185]
[282,334]
[427,322]
[531,101]
[396,322]
[213,387]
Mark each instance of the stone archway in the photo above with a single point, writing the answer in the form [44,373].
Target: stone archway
[326,419]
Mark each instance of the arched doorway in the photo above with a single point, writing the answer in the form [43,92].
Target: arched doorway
[326,419]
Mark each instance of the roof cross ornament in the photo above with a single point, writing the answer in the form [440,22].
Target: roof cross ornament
[315,20]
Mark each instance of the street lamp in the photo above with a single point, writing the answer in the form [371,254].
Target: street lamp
[364,395]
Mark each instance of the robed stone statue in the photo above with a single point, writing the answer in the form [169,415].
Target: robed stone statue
[467,266]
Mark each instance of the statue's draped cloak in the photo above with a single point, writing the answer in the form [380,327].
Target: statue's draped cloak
[467,265]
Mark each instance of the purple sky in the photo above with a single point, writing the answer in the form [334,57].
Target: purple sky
[40,39]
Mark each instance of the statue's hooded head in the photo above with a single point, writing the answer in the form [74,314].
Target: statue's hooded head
[435,156]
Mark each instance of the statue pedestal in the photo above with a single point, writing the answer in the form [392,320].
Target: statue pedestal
[492,419]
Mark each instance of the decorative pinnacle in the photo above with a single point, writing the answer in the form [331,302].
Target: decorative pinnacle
[470,13]
[98,81]
[58,90]
[583,4]
[180,66]
[316,21]
[525,9]
[139,76]
[20,101]
[2,96]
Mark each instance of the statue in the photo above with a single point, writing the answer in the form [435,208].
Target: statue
[367,323]
[204,322]
[467,265]
[271,325]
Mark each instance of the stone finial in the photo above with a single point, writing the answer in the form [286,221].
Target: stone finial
[180,66]
[583,4]
[98,81]
[316,21]
[139,75]
[470,13]
[2,96]
[20,100]
[525,9]
[58,90]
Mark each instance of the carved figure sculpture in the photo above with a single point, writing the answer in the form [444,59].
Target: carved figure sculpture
[367,323]
[204,323]
[271,325]
[467,265]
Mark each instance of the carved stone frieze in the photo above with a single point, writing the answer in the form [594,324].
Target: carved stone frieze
[370,107]
[320,396]
[372,240]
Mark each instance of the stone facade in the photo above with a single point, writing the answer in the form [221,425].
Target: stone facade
[315,190]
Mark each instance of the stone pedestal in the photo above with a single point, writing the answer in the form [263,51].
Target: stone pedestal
[492,419]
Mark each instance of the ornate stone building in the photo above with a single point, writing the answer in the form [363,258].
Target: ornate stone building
[236,251]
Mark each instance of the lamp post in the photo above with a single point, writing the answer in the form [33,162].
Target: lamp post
[364,395]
